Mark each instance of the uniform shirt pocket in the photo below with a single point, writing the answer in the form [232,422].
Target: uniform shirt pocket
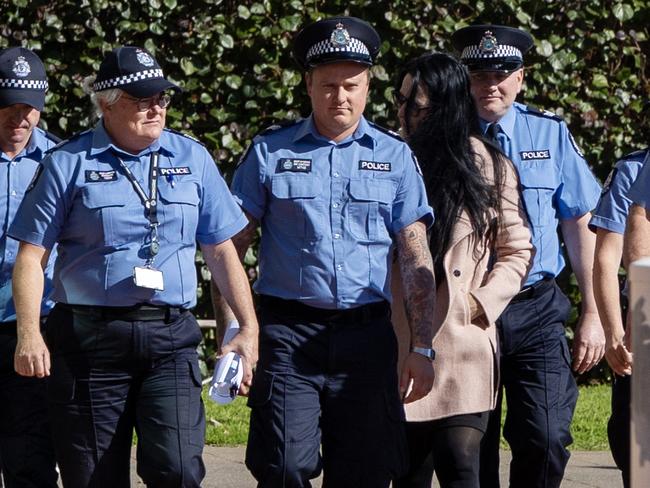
[179,211]
[369,208]
[294,195]
[538,187]
[105,207]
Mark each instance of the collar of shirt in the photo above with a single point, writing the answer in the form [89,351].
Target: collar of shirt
[102,142]
[506,123]
[308,128]
[34,149]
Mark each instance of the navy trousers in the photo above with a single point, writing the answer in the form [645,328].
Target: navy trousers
[540,390]
[110,376]
[26,450]
[325,378]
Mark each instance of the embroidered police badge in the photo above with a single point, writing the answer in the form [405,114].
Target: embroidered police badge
[488,43]
[340,36]
[144,59]
[21,67]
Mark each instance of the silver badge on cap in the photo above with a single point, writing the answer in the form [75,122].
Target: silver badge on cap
[144,59]
[488,43]
[21,67]
[340,36]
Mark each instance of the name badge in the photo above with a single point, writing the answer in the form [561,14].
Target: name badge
[294,165]
[96,176]
[183,170]
[148,278]
[530,155]
[374,166]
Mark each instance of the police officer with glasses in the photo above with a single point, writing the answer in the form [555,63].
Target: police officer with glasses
[334,193]
[558,190]
[127,201]
[26,446]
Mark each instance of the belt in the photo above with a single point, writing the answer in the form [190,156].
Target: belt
[298,310]
[139,312]
[534,290]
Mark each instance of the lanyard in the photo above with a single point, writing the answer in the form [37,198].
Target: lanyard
[150,201]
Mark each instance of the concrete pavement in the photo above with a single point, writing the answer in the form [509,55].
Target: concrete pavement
[225,469]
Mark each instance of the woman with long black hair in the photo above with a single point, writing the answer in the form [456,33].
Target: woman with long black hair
[481,251]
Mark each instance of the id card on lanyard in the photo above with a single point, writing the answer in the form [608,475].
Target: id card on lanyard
[147,276]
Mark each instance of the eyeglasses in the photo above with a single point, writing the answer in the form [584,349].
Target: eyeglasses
[145,104]
[399,99]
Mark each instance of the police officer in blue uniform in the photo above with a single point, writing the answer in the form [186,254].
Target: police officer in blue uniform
[608,221]
[557,188]
[26,447]
[333,193]
[127,201]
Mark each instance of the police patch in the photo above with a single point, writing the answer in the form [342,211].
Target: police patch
[535,154]
[374,166]
[575,146]
[96,176]
[37,175]
[608,181]
[182,170]
[293,165]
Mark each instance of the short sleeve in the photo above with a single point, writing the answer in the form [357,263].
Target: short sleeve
[410,204]
[579,190]
[248,182]
[220,218]
[640,190]
[42,213]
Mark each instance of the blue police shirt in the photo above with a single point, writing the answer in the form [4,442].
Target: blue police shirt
[614,204]
[555,179]
[15,176]
[84,201]
[329,211]
[640,190]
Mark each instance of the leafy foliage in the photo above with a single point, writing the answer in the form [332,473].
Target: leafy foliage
[233,58]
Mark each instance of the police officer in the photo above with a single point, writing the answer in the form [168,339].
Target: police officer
[557,188]
[332,193]
[127,201]
[25,443]
[608,221]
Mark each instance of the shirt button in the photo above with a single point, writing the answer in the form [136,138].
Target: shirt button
[335,205]
[13,192]
[339,267]
[337,236]
[336,174]
[456,273]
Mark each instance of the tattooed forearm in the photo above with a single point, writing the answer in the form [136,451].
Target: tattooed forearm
[416,268]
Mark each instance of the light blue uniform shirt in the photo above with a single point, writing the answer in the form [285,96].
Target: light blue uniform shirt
[555,180]
[640,190]
[614,204]
[15,176]
[329,211]
[83,201]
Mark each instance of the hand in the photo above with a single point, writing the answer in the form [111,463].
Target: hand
[32,357]
[418,369]
[617,354]
[588,342]
[245,344]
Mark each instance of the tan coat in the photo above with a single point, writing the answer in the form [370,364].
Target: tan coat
[466,364]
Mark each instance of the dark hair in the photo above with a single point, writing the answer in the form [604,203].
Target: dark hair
[441,141]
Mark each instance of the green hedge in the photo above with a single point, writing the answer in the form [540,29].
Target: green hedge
[589,63]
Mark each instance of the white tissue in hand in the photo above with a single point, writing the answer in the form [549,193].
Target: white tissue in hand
[228,372]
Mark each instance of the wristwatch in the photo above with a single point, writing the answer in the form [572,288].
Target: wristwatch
[427,352]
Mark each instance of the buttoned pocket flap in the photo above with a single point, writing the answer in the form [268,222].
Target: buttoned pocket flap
[181,192]
[100,195]
[538,178]
[295,186]
[370,190]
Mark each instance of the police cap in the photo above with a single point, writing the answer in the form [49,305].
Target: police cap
[336,39]
[22,78]
[134,70]
[492,47]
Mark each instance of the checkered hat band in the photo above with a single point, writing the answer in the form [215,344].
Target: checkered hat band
[25,84]
[327,47]
[128,79]
[502,51]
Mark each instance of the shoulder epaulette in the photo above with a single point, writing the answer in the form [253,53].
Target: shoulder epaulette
[639,154]
[52,137]
[62,143]
[542,113]
[391,133]
[183,134]
[279,125]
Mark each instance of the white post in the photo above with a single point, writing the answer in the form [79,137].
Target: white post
[640,429]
